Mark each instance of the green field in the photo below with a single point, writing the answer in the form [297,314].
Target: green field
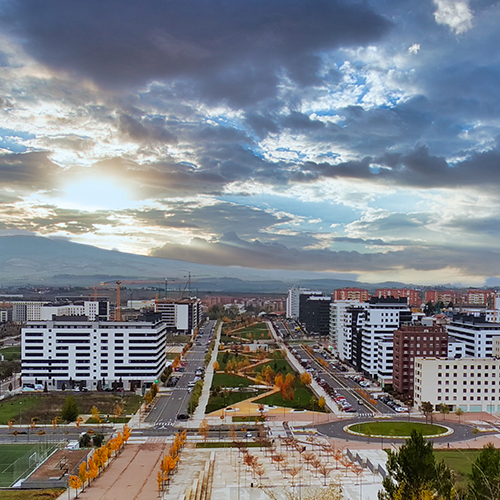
[254,332]
[11,353]
[227,380]
[15,461]
[224,357]
[278,365]
[460,461]
[301,401]
[225,399]
[45,406]
[396,429]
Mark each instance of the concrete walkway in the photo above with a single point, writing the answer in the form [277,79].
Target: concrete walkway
[199,413]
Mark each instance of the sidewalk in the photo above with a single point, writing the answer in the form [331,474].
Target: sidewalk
[199,413]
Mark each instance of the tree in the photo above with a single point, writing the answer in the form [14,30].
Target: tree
[427,409]
[485,475]
[305,378]
[70,409]
[204,429]
[413,470]
[82,474]
[321,402]
[95,414]
[75,483]
[444,410]
[216,366]
[459,412]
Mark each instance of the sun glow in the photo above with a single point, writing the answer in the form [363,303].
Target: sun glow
[97,193]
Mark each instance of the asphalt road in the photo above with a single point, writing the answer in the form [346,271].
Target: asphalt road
[175,401]
[461,432]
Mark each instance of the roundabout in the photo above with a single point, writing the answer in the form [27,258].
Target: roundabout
[340,430]
[396,429]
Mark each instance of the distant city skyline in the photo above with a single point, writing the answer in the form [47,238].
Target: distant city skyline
[354,138]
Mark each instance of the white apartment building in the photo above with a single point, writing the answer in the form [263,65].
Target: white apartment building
[382,318]
[472,384]
[26,311]
[92,354]
[92,310]
[351,319]
[183,315]
[385,358]
[337,322]
[475,332]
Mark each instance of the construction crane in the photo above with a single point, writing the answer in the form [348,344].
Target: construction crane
[132,282]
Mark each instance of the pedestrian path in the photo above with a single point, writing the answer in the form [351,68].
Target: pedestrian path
[199,413]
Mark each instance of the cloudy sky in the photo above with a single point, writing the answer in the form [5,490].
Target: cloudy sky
[359,138]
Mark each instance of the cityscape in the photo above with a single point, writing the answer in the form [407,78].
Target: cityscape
[249,250]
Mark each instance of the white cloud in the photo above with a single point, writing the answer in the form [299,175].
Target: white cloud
[414,49]
[455,14]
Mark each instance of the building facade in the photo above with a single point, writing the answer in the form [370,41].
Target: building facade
[411,341]
[180,316]
[357,294]
[72,351]
[315,314]
[414,296]
[475,332]
[471,384]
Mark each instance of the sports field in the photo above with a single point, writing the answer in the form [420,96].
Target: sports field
[19,460]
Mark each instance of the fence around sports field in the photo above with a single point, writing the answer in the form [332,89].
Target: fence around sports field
[18,461]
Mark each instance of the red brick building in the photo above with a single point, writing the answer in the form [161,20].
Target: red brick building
[358,294]
[414,297]
[412,341]
[480,297]
[445,297]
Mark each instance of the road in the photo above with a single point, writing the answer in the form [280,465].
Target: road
[175,401]
[341,383]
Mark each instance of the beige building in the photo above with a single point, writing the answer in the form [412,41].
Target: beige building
[495,347]
[472,384]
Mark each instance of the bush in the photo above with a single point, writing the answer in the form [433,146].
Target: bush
[70,410]
[98,439]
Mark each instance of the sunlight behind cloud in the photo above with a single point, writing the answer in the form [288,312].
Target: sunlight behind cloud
[95,193]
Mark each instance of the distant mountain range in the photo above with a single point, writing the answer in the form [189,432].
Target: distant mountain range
[33,260]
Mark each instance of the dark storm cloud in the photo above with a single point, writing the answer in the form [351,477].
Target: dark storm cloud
[27,171]
[214,218]
[146,129]
[231,250]
[225,43]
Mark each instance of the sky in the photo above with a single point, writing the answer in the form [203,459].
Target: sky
[355,138]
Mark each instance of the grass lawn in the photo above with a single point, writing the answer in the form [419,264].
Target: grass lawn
[11,353]
[223,400]
[30,494]
[459,461]
[396,429]
[47,405]
[278,365]
[227,380]
[254,332]
[301,401]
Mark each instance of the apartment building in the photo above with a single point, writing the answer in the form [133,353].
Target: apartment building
[357,294]
[92,354]
[23,311]
[472,384]
[411,341]
[475,332]
[382,318]
[444,296]
[480,297]
[315,313]
[414,296]
[180,316]
[293,301]
[339,336]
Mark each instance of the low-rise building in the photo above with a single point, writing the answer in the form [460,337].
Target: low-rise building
[472,384]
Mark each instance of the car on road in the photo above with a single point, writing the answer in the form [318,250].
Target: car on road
[182,416]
